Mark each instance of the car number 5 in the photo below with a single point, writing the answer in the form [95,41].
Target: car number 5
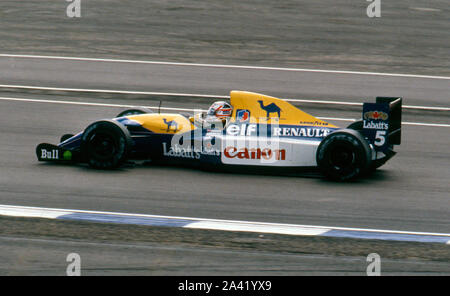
[380,138]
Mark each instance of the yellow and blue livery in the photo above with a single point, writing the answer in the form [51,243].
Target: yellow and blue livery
[263,133]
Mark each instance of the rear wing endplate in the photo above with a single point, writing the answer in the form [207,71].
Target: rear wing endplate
[382,122]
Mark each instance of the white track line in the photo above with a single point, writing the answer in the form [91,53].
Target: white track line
[111,91]
[199,96]
[225,66]
[182,109]
[93,104]
[360,104]
[38,212]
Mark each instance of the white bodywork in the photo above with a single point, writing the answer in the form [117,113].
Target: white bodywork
[264,151]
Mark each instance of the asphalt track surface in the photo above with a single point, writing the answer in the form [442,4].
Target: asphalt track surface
[410,36]
[40,247]
[411,192]
[47,257]
[219,80]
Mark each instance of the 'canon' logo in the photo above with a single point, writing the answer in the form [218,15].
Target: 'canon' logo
[255,153]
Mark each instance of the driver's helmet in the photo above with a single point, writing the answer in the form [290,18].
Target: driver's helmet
[219,112]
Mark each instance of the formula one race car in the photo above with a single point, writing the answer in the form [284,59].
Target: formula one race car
[261,133]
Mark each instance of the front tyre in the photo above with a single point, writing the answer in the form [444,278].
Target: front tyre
[134,111]
[65,137]
[106,144]
[344,155]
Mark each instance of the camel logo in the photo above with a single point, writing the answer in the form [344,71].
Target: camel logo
[171,125]
[376,115]
[242,115]
[270,108]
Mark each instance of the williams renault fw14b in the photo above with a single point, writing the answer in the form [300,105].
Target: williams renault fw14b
[250,131]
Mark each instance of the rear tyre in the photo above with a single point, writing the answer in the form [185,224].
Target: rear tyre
[106,144]
[134,111]
[344,155]
[356,125]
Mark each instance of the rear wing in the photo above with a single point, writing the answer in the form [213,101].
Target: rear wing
[382,122]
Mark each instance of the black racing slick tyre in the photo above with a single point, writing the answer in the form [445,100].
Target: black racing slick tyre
[356,125]
[65,137]
[134,111]
[344,155]
[106,144]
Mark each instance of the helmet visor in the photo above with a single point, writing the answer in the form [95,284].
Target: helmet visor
[220,109]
